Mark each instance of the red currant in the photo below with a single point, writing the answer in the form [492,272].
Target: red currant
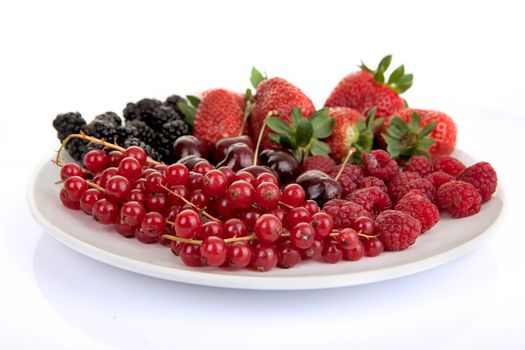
[176,247]
[234,228]
[153,224]
[88,199]
[157,201]
[268,228]
[265,257]
[136,195]
[132,213]
[249,217]
[315,251]
[239,254]
[155,181]
[279,212]
[246,176]
[311,206]
[195,181]
[118,188]
[241,194]
[214,251]
[293,195]
[161,168]
[223,207]
[146,172]
[364,225]
[177,174]
[332,253]
[130,168]
[137,153]
[202,167]
[105,211]
[228,172]
[114,158]
[297,215]
[322,223]
[188,223]
[68,203]
[214,183]
[142,237]
[302,236]
[355,253]
[372,247]
[74,186]
[348,238]
[190,255]
[288,256]
[211,228]
[267,195]
[95,160]
[71,169]
[176,192]
[200,199]
[107,174]
[266,177]
[139,184]
[125,230]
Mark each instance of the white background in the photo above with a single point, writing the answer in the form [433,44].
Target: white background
[55,57]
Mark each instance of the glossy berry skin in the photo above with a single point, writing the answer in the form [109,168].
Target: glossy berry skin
[239,254]
[74,187]
[268,228]
[288,256]
[364,225]
[266,177]
[190,255]
[130,168]
[107,174]
[155,181]
[214,183]
[89,198]
[355,253]
[153,224]
[177,174]
[214,251]
[95,160]
[397,230]
[223,207]
[265,257]
[322,223]
[157,201]
[210,228]
[311,206]
[125,230]
[293,195]
[241,194]
[372,247]
[161,168]
[188,223]
[234,228]
[68,203]
[114,158]
[132,213]
[332,253]
[267,195]
[142,237]
[202,167]
[483,176]
[176,247]
[139,184]
[344,212]
[176,192]
[200,199]
[105,211]
[246,176]
[195,181]
[296,216]
[136,195]
[348,238]
[302,236]
[118,188]
[137,153]
[70,169]
[315,251]
[229,173]
[249,217]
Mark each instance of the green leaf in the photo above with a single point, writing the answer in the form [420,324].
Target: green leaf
[320,148]
[426,143]
[287,142]
[319,115]
[395,132]
[404,83]
[396,74]
[323,127]
[394,151]
[376,124]
[400,124]
[304,132]
[390,140]
[194,100]
[414,122]
[379,77]
[384,63]
[256,77]
[365,68]
[188,111]
[248,94]
[274,137]
[296,115]
[427,129]
[298,154]
[278,125]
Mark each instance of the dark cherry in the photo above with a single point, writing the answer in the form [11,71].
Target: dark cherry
[190,161]
[319,186]
[239,156]
[257,170]
[189,145]
[220,148]
[283,163]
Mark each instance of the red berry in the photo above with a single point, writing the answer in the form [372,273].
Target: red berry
[71,169]
[364,225]
[202,167]
[137,153]
[371,199]
[241,194]
[397,230]
[188,223]
[161,168]
[311,206]
[439,178]
[378,163]
[88,199]
[287,255]
[176,192]
[332,253]
[483,176]
[418,164]
[348,238]
[190,255]
[417,206]
[95,160]
[315,251]
[229,173]
[371,181]
[372,247]
[296,216]
[322,163]
[139,184]
[177,174]
[125,230]
[354,253]
[293,194]
[74,187]
[349,178]
[266,177]
[344,212]
[214,183]
[323,224]
[195,181]
[157,201]
[68,203]
[239,254]
[234,228]
[105,211]
[136,195]
[176,247]
[449,165]
[107,174]
[153,224]
[118,188]
[398,182]
[213,250]
[458,198]
[155,181]
[223,207]
[267,195]
[144,238]
[200,199]
[246,176]
[210,228]
[249,217]
[132,213]
[114,158]
[268,228]
[423,185]
[279,212]
[130,168]
[302,236]
[265,257]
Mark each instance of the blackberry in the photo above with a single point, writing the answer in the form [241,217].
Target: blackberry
[111,118]
[101,130]
[68,123]
[141,110]
[76,148]
[175,129]
[173,102]
[126,131]
[160,116]
[164,146]
[146,133]
[133,141]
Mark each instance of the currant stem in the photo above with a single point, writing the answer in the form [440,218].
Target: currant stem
[347,158]
[201,211]
[94,185]
[286,205]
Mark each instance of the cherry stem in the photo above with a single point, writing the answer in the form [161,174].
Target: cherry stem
[261,133]
[96,141]
[348,155]
[200,210]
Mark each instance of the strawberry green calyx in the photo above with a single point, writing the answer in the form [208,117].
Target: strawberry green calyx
[302,136]
[397,81]
[366,131]
[404,140]
[256,77]
[190,109]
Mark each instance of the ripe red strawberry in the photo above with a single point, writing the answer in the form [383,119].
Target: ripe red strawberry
[218,116]
[367,88]
[280,96]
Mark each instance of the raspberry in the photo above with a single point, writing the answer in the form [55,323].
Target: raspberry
[418,164]
[344,212]
[438,178]
[416,205]
[372,199]
[423,185]
[399,181]
[459,198]
[449,165]
[483,176]
[397,230]
[349,177]
[322,163]
[370,181]
[378,163]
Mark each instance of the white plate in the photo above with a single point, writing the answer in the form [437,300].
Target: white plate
[449,239]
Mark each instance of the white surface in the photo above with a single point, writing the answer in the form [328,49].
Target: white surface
[447,241]
[58,56]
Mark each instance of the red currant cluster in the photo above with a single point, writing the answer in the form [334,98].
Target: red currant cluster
[210,216]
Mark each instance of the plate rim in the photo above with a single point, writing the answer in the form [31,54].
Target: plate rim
[210,279]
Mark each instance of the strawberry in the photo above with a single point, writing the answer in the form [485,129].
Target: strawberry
[367,88]
[279,96]
[351,130]
[442,129]
[218,115]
